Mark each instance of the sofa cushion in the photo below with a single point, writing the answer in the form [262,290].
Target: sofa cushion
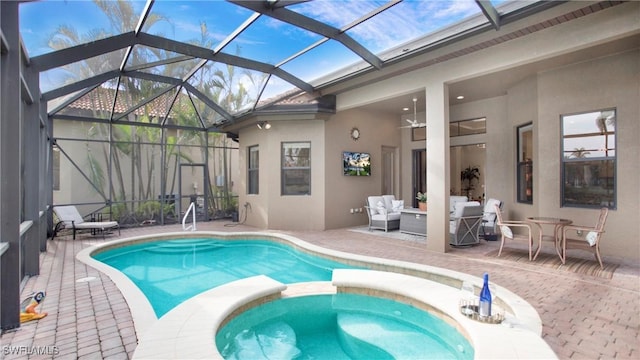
[397,205]
[388,201]
[455,199]
[372,202]
[490,211]
[389,216]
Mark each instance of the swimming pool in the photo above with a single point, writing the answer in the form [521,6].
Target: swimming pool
[170,271]
[339,326]
[189,329]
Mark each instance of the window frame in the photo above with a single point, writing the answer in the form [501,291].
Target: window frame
[253,169]
[284,190]
[524,167]
[565,161]
[454,127]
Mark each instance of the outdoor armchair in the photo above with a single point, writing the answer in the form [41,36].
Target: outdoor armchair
[507,231]
[591,240]
[464,224]
[384,212]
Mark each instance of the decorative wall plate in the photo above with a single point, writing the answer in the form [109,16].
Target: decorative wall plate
[355,133]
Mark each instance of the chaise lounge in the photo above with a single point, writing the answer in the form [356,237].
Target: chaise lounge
[69,217]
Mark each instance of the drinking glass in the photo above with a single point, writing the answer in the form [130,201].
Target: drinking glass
[468,298]
[467,289]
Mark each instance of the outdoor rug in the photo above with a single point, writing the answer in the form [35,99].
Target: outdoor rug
[575,265]
[392,234]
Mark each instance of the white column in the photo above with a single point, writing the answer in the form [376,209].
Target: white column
[437,114]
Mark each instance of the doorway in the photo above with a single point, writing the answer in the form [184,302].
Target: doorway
[419,182]
[193,188]
[464,157]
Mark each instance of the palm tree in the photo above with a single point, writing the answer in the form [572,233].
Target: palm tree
[579,153]
[122,18]
[606,118]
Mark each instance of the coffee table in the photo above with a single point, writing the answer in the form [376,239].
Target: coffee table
[413,221]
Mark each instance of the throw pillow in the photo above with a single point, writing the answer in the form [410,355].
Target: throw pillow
[506,231]
[591,238]
[397,205]
[381,209]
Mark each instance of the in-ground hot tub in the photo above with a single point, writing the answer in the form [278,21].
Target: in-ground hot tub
[339,326]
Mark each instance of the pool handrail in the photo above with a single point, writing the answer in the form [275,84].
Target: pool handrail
[191,227]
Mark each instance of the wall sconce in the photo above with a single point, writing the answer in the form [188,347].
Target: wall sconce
[263,125]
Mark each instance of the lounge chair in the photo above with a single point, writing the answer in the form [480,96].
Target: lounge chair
[69,217]
[507,232]
[465,223]
[384,212]
[591,240]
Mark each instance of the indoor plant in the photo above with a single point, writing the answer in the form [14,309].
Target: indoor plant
[422,200]
[469,174]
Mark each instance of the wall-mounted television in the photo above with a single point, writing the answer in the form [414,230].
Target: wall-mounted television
[356,163]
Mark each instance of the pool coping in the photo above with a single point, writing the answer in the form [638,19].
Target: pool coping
[526,320]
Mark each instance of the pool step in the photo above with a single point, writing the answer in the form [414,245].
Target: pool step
[184,247]
[373,336]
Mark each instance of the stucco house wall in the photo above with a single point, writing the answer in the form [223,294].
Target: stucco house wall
[556,88]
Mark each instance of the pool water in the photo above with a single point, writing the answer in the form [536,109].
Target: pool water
[340,326]
[169,272]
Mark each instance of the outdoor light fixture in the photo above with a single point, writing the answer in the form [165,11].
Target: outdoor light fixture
[263,125]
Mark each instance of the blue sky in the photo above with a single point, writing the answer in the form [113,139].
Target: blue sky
[267,40]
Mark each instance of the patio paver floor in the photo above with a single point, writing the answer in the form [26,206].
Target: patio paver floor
[584,317]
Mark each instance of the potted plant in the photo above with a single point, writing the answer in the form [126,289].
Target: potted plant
[468,175]
[422,201]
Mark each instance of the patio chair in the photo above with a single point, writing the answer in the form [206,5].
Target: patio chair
[69,217]
[591,240]
[384,212]
[507,231]
[464,225]
[489,218]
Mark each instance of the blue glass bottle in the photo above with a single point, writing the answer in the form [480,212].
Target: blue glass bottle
[485,298]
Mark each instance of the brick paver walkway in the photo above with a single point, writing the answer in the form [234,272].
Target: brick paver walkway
[583,317]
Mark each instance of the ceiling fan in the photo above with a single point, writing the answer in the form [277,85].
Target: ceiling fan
[414,123]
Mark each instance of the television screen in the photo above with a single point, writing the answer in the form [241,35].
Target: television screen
[356,163]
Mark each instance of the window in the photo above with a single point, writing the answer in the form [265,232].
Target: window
[589,159]
[468,127]
[252,170]
[525,164]
[296,168]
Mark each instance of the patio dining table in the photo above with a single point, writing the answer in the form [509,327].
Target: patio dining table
[557,223]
